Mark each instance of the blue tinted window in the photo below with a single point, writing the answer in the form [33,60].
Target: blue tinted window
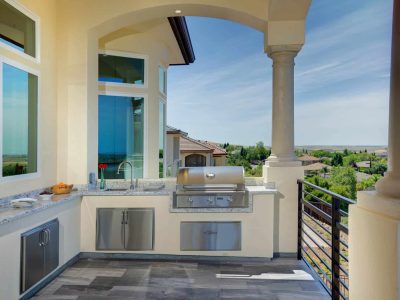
[121,130]
[20,98]
[17,30]
[161,130]
[121,69]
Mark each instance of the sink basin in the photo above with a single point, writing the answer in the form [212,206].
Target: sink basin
[116,190]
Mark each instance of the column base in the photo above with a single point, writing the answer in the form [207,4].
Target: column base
[285,209]
[389,186]
[279,161]
[374,248]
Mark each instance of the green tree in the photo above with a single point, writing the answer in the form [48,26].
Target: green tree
[321,153]
[367,183]
[337,159]
[343,181]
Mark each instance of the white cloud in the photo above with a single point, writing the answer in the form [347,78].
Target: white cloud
[353,119]
[341,87]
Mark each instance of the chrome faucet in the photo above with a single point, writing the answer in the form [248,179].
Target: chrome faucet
[132,186]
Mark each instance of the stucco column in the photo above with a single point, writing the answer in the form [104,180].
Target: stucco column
[282,168]
[374,222]
[390,184]
[282,152]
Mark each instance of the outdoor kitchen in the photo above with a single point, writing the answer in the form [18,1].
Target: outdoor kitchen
[210,211]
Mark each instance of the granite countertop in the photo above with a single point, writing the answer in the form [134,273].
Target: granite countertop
[260,189]
[9,214]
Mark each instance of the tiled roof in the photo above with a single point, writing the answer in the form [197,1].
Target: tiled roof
[363,164]
[173,130]
[307,157]
[188,144]
[316,167]
[217,149]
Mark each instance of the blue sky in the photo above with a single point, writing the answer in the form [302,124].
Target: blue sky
[341,79]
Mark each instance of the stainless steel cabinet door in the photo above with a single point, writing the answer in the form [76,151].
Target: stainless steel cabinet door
[51,247]
[210,236]
[110,229]
[32,258]
[139,229]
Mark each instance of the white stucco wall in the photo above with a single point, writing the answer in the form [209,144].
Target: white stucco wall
[69,217]
[258,224]
[158,54]
[47,155]
[374,247]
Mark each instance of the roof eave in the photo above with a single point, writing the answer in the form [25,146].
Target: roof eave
[181,32]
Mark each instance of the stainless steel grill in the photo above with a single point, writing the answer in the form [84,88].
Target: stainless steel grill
[202,187]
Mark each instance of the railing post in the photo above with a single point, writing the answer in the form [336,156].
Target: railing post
[299,217]
[335,248]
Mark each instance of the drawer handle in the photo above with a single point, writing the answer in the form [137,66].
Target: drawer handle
[210,232]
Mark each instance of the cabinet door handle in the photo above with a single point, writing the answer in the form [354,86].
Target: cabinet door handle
[48,235]
[210,175]
[123,218]
[126,217]
[41,238]
[210,232]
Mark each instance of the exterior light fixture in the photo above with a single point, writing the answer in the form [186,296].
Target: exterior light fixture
[178,11]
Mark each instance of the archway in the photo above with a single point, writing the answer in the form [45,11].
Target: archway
[195,160]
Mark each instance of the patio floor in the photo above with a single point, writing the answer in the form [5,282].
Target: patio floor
[143,279]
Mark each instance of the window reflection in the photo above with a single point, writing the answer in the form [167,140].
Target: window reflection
[20,110]
[121,132]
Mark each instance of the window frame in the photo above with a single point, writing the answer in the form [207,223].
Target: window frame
[145,125]
[163,101]
[128,55]
[164,92]
[35,19]
[35,72]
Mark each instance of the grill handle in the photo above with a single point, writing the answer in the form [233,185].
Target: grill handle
[210,175]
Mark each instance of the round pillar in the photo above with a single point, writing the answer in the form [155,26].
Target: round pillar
[389,185]
[283,104]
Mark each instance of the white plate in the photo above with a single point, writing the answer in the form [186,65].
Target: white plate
[45,196]
[23,202]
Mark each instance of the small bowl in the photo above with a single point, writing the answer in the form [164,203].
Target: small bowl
[45,197]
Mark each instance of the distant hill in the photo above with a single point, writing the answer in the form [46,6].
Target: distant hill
[341,148]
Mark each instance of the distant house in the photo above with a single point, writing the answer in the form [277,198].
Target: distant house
[363,165]
[309,159]
[382,153]
[316,168]
[362,176]
[184,151]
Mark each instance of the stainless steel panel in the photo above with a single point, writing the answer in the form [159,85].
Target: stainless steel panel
[32,258]
[110,229]
[139,229]
[51,247]
[211,175]
[39,253]
[208,199]
[210,236]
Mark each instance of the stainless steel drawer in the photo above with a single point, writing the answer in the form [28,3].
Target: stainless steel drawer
[211,236]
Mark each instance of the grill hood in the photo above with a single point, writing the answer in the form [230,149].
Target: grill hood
[211,177]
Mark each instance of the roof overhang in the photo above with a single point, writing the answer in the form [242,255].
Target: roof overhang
[181,32]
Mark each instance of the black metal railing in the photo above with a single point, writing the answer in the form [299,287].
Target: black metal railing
[322,236]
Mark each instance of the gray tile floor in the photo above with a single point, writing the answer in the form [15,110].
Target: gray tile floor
[99,279]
